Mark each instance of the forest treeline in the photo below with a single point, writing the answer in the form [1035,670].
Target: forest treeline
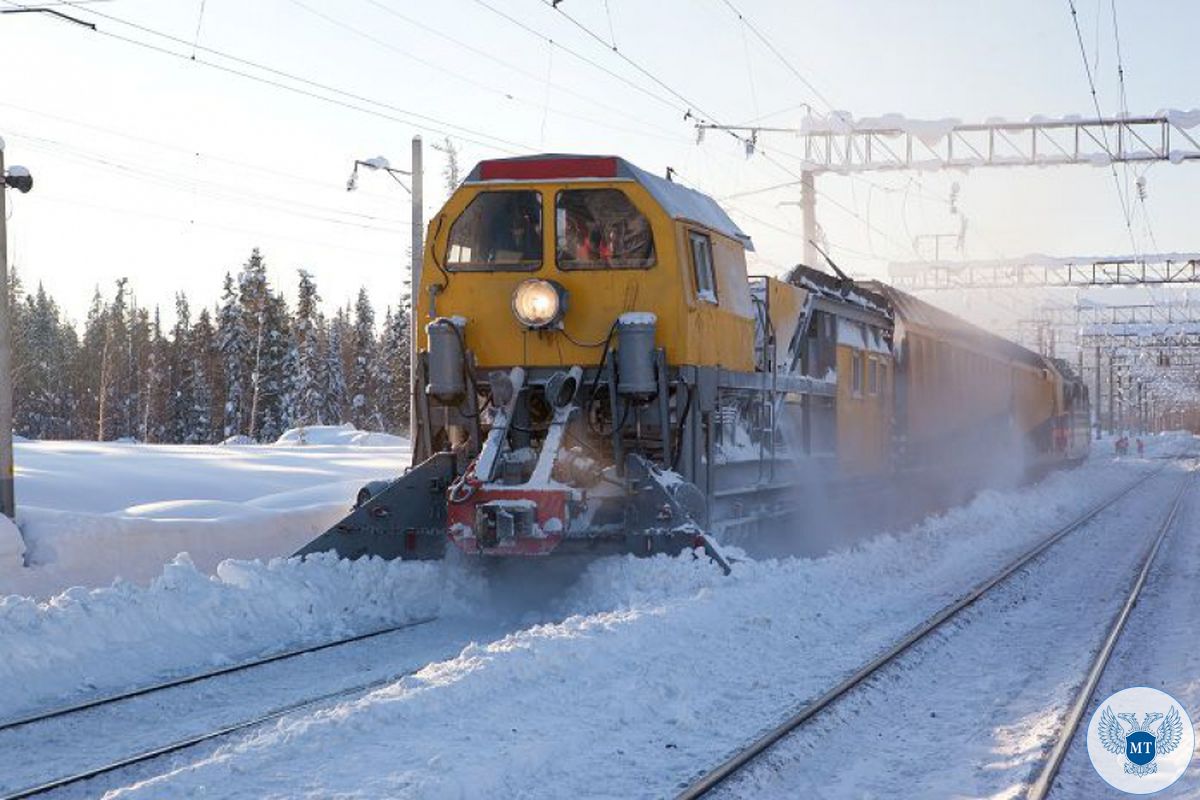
[250,366]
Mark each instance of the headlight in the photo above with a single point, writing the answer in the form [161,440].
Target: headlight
[539,303]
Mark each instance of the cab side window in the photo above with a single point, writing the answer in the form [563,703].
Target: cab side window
[702,264]
[601,229]
[497,231]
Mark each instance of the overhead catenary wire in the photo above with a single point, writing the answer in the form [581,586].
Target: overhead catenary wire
[696,111]
[355,101]
[257,233]
[458,42]
[828,104]
[775,51]
[503,93]
[1124,101]
[206,188]
[177,147]
[1125,111]
[808,84]
[691,107]
[1087,68]
[352,100]
[576,54]
[199,22]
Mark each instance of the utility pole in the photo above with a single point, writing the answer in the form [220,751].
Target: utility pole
[1097,398]
[808,216]
[1112,395]
[416,192]
[8,500]
[418,252]
[20,180]
[808,211]
[1141,408]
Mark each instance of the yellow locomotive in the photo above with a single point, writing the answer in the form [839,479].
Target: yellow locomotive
[598,372]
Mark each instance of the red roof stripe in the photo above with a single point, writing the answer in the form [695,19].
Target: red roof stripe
[545,169]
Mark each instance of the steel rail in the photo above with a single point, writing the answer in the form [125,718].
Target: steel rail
[743,756]
[182,744]
[42,716]
[1045,780]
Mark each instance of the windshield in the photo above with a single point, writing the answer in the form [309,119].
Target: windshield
[601,229]
[498,230]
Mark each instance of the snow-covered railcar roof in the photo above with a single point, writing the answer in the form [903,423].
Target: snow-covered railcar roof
[919,313]
[678,201]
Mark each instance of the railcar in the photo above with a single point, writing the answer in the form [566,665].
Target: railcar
[599,373]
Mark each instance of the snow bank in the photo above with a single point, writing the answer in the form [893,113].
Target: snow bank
[12,546]
[345,434]
[663,666]
[83,643]
[90,512]
[65,547]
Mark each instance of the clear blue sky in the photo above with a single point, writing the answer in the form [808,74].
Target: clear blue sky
[167,171]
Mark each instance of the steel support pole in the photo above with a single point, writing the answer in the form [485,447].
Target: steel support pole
[1098,398]
[418,252]
[1112,395]
[808,211]
[1141,409]
[8,504]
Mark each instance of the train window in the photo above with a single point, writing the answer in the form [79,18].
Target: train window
[497,231]
[702,263]
[601,229]
[872,376]
[856,373]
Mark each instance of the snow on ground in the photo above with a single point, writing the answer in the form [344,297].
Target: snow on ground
[1157,649]
[657,670]
[90,512]
[345,434]
[84,643]
[984,698]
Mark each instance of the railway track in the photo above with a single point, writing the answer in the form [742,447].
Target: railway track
[209,735]
[744,756]
[1044,781]
[63,711]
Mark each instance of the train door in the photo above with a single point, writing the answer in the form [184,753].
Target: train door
[821,362]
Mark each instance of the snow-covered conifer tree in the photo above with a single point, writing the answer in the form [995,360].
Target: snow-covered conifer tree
[362,377]
[306,332]
[233,343]
[333,409]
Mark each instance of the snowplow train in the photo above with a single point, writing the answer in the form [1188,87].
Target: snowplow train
[597,372]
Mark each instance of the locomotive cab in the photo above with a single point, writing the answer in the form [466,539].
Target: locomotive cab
[608,239]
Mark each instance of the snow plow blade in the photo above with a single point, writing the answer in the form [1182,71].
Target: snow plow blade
[406,519]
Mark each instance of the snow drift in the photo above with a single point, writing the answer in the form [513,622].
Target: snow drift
[345,434]
[84,643]
[90,512]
